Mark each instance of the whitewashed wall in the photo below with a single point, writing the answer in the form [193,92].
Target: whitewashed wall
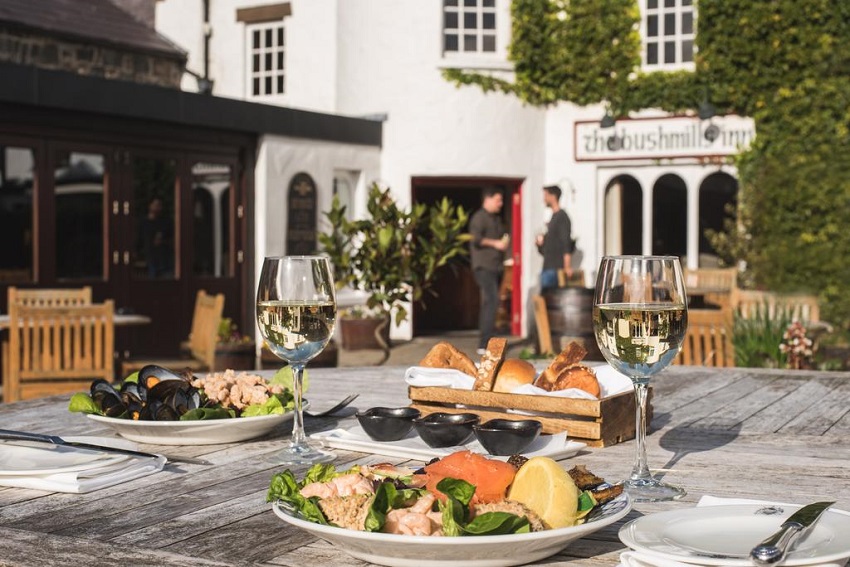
[384,57]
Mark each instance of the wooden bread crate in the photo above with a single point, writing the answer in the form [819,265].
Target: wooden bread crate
[598,423]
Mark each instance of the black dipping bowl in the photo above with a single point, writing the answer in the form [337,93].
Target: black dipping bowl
[446,429]
[387,424]
[507,436]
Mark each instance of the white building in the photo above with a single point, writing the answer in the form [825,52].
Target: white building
[648,185]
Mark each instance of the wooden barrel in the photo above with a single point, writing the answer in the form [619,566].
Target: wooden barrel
[570,312]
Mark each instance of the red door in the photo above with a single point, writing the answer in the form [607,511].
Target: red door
[516,273]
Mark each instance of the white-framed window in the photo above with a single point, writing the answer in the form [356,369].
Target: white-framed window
[668,28]
[469,26]
[266,51]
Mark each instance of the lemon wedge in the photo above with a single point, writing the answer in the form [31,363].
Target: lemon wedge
[547,490]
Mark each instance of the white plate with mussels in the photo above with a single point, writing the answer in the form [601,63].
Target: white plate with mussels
[473,551]
[195,432]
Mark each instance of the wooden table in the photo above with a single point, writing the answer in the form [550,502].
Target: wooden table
[118,319]
[761,434]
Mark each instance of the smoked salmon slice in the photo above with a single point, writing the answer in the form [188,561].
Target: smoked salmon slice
[490,477]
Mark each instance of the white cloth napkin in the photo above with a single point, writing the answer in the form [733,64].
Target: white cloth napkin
[633,558]
[611,382]
[112,471]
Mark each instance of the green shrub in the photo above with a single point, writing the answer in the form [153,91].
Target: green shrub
[757,339]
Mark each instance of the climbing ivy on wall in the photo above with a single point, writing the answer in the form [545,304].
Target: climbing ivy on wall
[785,63]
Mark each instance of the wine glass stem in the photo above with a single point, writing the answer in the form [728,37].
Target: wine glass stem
[641,468]
[299,437]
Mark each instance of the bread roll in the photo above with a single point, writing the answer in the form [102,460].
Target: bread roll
[513,374]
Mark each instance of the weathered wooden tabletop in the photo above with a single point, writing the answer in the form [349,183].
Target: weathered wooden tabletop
[747,433]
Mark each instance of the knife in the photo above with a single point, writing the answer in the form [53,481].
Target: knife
[56,440]
[773,549]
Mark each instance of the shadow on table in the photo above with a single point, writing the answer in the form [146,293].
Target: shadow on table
[683,441]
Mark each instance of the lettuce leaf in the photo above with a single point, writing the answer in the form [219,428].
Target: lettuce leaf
[83,403]
[284,378]
[285,488]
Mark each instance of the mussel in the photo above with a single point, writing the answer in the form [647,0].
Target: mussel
[159,394]
[107,398]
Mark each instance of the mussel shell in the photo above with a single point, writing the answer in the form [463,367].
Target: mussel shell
[166,389]
[107,398]
[151,375]
[131,391]
[158,411]
[185,400]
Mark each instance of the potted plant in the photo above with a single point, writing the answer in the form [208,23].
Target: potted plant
[233,349]
[392,255]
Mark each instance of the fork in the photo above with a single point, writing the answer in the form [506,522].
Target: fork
[347,400]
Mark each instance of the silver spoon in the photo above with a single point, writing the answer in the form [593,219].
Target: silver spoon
[347,400]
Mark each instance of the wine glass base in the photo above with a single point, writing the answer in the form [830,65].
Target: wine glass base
[300,455]
[651,490]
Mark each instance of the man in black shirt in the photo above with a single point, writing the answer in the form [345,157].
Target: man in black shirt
[556,244]
[487,252]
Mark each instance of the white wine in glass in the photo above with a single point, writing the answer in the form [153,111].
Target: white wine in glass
[640,317]
[296,314]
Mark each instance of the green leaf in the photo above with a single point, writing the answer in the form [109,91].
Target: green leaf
[134,377]
[283,377]
[271,406]
[82,403]
[320,473]
[497,523]
[284,487]
[461,490]
[203,414]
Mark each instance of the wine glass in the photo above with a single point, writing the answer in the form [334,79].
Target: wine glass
[296,313]
[640,317]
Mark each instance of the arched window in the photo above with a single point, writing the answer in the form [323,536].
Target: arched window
[718,194]
[670,216]
[623,217]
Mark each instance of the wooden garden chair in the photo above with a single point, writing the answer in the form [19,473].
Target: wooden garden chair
[724,280]
[750,304]
[54,350]
[708,341]
[202,339]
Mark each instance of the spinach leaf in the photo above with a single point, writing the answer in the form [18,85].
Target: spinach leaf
[388,497]
[84,404]
[497,523]
[204,414]
[459,489]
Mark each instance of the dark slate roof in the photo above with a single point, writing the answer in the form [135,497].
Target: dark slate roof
[95,21]
[77,95]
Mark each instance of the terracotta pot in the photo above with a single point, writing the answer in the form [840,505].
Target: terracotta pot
[235,356]
[359,333]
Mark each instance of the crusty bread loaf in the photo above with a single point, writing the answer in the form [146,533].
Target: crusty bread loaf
[514,373]
[491,360]
[566,372]
[571,355]
[578,376]
[445,355]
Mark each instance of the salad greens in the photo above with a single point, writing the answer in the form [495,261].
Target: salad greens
[276,404]
[389,495]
